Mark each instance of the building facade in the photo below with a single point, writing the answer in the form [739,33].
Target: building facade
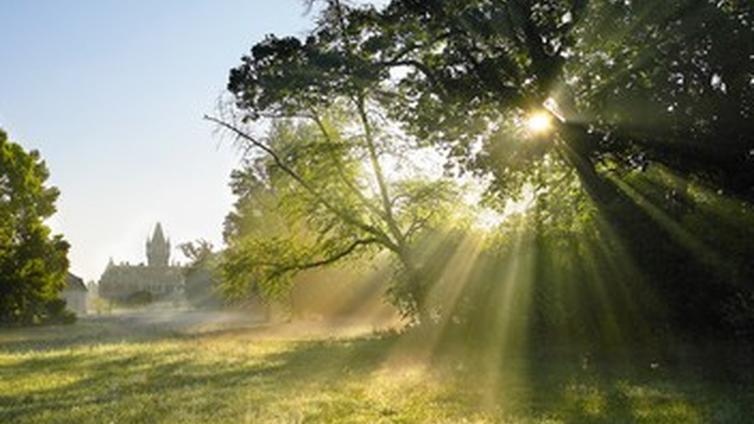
[75,294]
[157,277]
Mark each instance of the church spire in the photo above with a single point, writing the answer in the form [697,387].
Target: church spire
[158,248]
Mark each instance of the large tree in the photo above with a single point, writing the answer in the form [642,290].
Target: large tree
[33,262]
[653,109]
[627,89]
[625,81]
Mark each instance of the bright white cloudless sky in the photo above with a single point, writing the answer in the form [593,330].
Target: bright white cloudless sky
[112,94]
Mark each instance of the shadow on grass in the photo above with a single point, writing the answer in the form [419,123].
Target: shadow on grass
[104,373]
[703,384]
[148,379]
[86,332]
[571,391]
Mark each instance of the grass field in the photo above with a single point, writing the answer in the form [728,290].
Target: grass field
[124,370]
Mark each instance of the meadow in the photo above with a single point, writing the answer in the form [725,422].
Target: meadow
[131,370]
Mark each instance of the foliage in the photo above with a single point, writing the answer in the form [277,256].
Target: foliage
[33,263]
[628,84]
[139,298]
[309,202]
[201,274]
[559,274]
[633,93]
[57,313]
[643,184]
[102,305]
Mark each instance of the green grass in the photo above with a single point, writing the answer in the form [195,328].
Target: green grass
[106,371]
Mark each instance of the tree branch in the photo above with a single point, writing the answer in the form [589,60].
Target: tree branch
[382,237]
[339,167]
[381,183]
[424,69]
[329,260]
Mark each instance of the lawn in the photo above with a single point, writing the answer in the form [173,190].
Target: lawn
[128,370]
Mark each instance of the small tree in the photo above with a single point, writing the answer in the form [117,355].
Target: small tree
[33,263]
[200,273]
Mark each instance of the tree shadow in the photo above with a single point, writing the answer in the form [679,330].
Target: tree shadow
[231,376]
[147,384]
[619,391]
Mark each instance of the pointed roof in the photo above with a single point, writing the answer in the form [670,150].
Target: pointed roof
[75,283]
[158,235]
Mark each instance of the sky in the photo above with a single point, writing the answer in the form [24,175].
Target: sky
[112,94]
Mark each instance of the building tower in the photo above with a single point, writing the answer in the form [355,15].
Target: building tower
[158,248]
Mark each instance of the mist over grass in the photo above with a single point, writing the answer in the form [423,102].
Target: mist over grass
[217,367]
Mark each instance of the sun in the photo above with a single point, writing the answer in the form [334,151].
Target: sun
[539,122]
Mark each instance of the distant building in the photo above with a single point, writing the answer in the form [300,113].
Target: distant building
[158,277]
[75,294]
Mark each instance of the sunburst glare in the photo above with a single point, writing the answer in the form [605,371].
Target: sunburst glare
[539,123]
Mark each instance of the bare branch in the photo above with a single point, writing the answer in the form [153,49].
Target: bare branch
[417,224]
[379,234]
[329,260]
[377,168]
[339,166]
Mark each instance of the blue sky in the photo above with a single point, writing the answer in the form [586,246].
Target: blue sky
[112,93]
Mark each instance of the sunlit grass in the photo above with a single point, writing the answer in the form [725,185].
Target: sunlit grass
[102,372]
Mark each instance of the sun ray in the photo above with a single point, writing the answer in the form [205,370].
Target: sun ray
[685,238]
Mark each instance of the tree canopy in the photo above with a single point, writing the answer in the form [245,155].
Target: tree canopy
[313,198]
[33,262]
[644,124]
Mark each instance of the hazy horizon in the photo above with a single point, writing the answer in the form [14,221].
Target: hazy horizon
[112,95]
